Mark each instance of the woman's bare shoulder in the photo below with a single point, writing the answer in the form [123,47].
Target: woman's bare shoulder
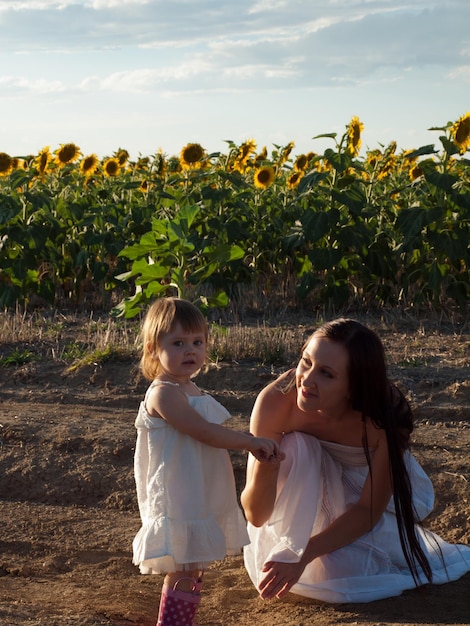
[273,407]
[276,390]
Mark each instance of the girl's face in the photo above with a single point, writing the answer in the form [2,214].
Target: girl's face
[322,377]
[182,354]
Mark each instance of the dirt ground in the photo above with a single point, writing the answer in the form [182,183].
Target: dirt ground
[69,512]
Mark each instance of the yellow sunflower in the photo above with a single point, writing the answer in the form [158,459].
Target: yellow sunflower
[19,164]
[241,162]
[111,167]
[387,168]
[354,135]
[159,165]
[239,166]
[67,153]
[264,177]
[143,163]
[191,155]
[460,132]
[294,179]
[261,156]
[6,164]
[390,149]
[43,160]
[415,172]
[373,158]
[122,156]
[285,153]
[301,163]
[89,165]
[245,150]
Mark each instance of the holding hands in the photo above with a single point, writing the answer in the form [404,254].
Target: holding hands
[265,450]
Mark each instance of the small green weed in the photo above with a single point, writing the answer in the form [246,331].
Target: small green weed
[74,351]
[17,357]
[412,362]
[94,358]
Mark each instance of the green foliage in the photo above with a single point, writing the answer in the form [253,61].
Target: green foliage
[176,256]
[95,357]
[17,357]
[338,230]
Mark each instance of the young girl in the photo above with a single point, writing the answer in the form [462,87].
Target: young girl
[338,519]
[184,478]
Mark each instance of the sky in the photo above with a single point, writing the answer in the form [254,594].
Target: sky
[144,75]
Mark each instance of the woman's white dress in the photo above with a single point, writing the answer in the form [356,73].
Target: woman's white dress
[317,482]
[186,495]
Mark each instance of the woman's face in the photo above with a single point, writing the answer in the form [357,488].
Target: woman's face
[322,377]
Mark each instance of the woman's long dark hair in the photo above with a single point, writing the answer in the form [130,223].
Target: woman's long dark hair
[373,395]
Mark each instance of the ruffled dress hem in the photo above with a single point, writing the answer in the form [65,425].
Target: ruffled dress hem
[186,493]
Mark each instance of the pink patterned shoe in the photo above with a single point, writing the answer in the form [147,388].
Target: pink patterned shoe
[178,608]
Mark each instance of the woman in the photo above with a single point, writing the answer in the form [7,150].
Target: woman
[338,518]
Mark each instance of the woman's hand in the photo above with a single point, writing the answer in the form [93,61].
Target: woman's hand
[279,578]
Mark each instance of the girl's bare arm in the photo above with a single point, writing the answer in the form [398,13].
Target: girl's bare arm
[170,404]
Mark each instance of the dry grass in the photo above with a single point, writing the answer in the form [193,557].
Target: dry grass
[277,345]
[84,339]
[63,337]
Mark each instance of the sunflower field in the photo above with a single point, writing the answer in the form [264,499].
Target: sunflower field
[390,227]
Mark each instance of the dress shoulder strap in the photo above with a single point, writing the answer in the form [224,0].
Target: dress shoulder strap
[158,381]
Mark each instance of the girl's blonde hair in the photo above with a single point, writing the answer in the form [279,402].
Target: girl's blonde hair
[160,320]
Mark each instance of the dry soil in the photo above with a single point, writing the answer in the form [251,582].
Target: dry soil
[68,506]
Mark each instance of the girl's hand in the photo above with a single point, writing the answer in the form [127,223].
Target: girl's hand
[265,450]
[279,579]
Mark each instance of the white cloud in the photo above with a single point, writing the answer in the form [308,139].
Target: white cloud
[111,4]
[47,5]
[146,80]
[31,5]
[461,72]
[18,85]
[240,63]
[267,5]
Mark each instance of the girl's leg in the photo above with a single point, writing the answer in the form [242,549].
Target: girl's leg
[182,579]
[180,598]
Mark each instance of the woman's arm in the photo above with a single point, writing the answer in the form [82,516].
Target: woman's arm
[172,405]
[270,418]
[355,522]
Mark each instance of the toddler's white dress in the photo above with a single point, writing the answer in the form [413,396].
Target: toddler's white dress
[186,495]
[320,480]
